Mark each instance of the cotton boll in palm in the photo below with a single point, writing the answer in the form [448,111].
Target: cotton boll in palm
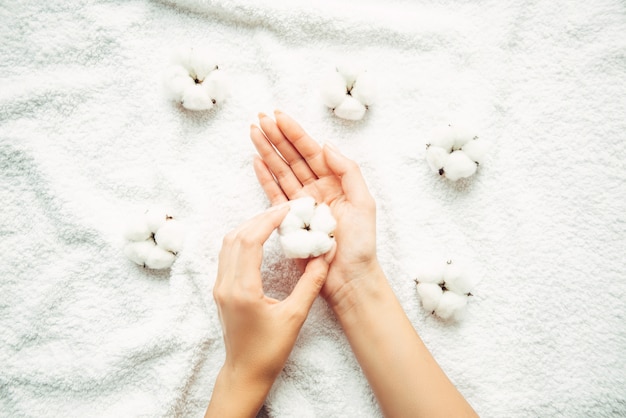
[436,158]
[137,229]
[171,236]
[323,219]
[333,90]
[202,62]
[458,165]
[430,294]
[320,243]
[139,251]
[350,109]
[442,137]
[476,150]
[290,223]
[297,244]
[217,86]
[176,81]
[303,208]
[457,279]
[196,98]
[450,305]
[158,258]
[364,89]
[350,72]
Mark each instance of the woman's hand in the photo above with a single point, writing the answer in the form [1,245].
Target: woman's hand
[259,331]
[293,165]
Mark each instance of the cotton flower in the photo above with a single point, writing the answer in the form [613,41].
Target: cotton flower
[348,91]
[195,80]
[307,230]
[444,289]
[154,239]
[455,152]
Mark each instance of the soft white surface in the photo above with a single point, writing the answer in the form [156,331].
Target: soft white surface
[87,136]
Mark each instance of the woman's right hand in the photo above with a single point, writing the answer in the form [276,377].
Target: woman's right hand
[293,165]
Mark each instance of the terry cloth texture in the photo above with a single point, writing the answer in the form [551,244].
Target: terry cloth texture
[87,137]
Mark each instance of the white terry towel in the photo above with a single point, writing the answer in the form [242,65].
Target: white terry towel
[87,137]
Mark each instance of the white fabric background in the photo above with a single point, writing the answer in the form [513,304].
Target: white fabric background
[86,138]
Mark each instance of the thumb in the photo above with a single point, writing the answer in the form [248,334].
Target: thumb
[311,282]
[352,181]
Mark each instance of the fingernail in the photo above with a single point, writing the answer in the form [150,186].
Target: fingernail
[262,115]
[277,112]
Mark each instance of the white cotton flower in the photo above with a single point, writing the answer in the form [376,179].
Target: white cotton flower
[364,89]
[138,251]
[476,150]
[303,208]
[436,158]
[176,82]
[350,109]
[431,272]
[170,236]
[194,79]
[458,165]
[444,288]
[349,90]
[217,86]
[430,293]
[137,229]
[456,278]
[154,239]
[461,135]
[307,230]
[196,97]
[323,220]
[321,242]
[350,72]
[333,90]
[454,152]
[156,217]
[451,305]
[442,137]
[291,222]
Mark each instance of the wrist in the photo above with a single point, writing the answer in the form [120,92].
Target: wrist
[237,393]
[359,291]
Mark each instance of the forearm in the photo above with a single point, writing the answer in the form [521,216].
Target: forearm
[236,396]
[404,376]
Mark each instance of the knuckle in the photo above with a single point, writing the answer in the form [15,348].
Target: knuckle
[246,241]
[219,296]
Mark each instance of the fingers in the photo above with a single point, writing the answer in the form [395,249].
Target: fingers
[242,250]
[268,182]
[281,170]
[298,164]
[311,282]
[352,181]
[303,143]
